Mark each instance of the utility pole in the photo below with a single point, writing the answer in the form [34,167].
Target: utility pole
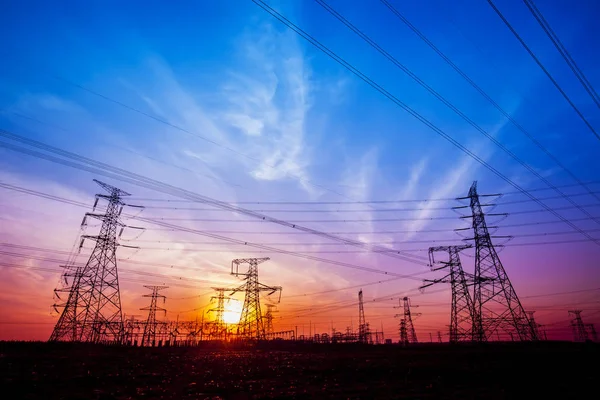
[92,311]
[496,304]
[363,327]
[251,324]
[439,336]
[579,331]
[150,329]
[461,311]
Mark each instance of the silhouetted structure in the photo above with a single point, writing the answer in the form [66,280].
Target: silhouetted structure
[495,302]
[151,326]
[271,308]
[580,333]
[363,326]
[92,311]
[592,331]
[220,327]
[407,329]
[251,324]
[461,310]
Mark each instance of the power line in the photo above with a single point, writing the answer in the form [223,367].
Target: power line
[122,148]
[142,181]
[345,220]
[408,109]
[60,270]
[445,101]
[563,51]
[368,201]
[85,205]
[340,244]
[80,204]
[123,270]
[539,63]
[361,210]
[485,95]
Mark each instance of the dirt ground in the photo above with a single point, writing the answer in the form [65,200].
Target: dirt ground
[494,371]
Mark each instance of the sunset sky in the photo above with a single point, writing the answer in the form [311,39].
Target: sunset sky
[222,100]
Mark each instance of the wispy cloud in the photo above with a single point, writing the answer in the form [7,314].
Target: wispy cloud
[271,104]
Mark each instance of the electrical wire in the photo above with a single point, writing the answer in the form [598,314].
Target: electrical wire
[563,51]
[411,111]
[451,106]
[539,63]
[138,180]
[486,96]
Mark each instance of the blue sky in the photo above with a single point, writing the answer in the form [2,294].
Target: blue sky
[293,125]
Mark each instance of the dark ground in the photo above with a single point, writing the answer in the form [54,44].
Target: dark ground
[495,371]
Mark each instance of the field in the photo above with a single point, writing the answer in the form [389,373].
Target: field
[495,371]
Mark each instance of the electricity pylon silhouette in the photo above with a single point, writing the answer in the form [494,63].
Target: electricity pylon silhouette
[92,311]
[220,326]
[535,325]
[579,329]
[593,333]
[269,318]
[251,324]
[461,311]
[495,301]
[407,328]
[150,328]
[363,327]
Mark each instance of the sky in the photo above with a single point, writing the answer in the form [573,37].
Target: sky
[222,100]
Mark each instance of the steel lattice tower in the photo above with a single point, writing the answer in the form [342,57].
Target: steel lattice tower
[251,324]
[220,311]
[407,329]
[363,327]
[579,331]
[150,328]
[411,335]
[461,312]
[92,312]
[593,332]
[269,318]
[495,302]
[535,325]
[403,333]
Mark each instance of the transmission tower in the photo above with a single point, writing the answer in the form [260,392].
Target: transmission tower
[251,324]
[410,328]
[271,308]
[220,326]
[363,326]
[150,328]
[407,329]
[403,333]
[579,331]
[592,331]
[92,311]
[495,302]
[535,325]
[461,311]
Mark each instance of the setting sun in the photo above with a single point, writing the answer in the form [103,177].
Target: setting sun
[233,311]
